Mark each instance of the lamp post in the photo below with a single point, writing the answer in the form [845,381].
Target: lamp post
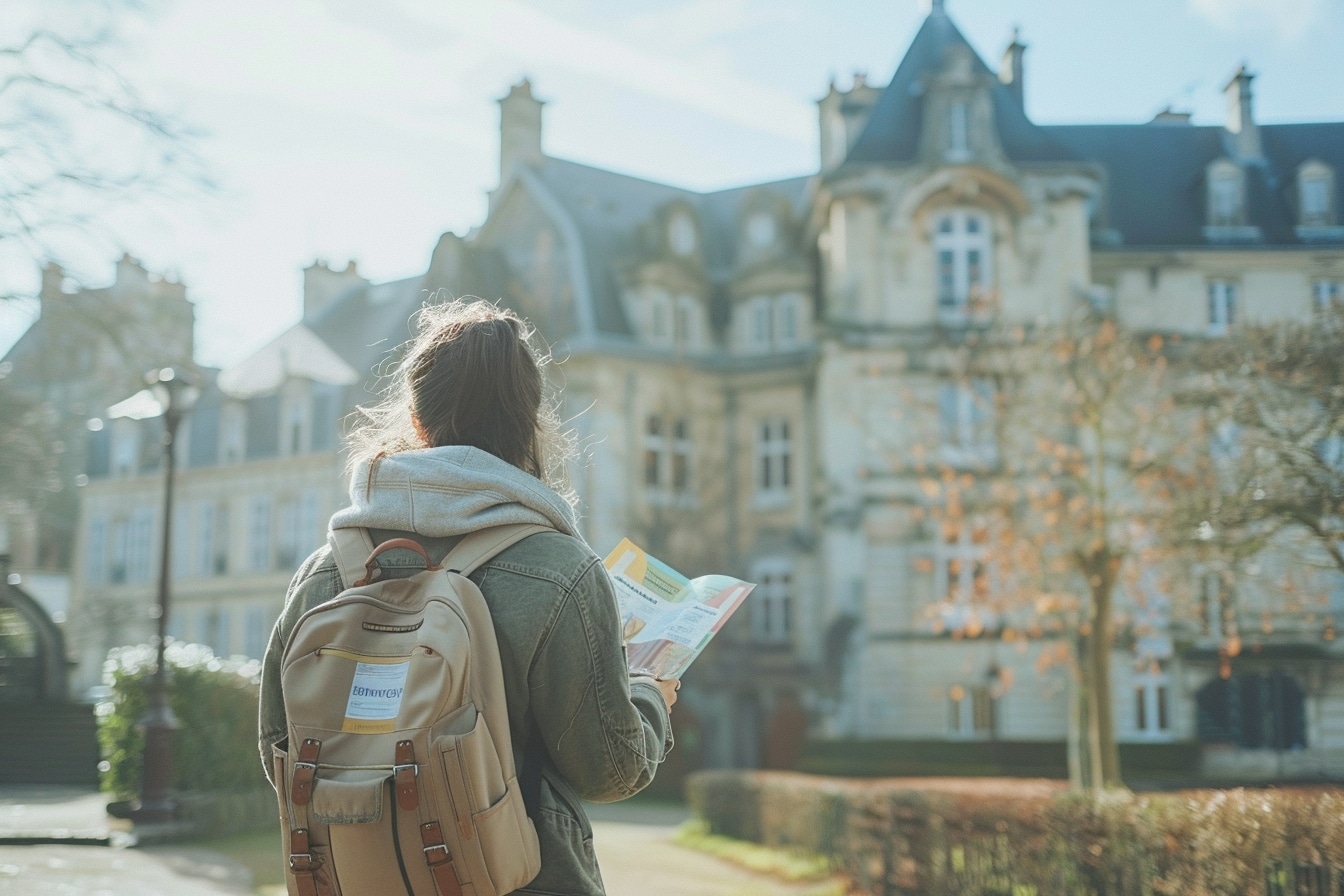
[176,395]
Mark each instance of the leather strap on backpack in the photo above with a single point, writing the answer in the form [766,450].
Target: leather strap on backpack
[483,544]
[351,547]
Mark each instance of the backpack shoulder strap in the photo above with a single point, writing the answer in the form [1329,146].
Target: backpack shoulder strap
[351,546]
[482,545]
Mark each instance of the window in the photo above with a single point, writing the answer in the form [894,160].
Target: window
[681,457]
[181,546]
[139,552]
[1315,194]
[958,146]
[232,427]
[212,539]
[1150,701]
[758,315]
[681,234]
[121,544]
[761,230]
[774,459]
[1224,200]
[970,711]
[964,577]
[1222,306]
[295,430]
[788,315]
[125,447]
[962,245]
[256,632]
[966,421]
[667,456]
[687,320]
[1325,294]
[1212,604]
[772,602]
[655,445]
[95,556]
[217,631]
[259,533]
[660,313]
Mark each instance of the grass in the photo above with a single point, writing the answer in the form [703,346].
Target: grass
[789,866]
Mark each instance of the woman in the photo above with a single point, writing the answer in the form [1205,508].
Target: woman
[463,440]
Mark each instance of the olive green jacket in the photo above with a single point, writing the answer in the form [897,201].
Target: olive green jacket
[558,629]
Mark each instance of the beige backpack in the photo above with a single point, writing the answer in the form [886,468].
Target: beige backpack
[399,774]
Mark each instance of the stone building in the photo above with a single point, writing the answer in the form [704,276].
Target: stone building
[89,347]
[748,372]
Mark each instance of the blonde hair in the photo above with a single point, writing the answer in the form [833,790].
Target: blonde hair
[472,375]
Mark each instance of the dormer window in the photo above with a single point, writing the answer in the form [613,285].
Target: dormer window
[681,236]
[761,230]
[1226,206]
[959,119]
[1315,189]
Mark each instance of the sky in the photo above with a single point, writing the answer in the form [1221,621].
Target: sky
[343,129]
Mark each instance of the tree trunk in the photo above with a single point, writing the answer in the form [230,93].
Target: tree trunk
[1099,679]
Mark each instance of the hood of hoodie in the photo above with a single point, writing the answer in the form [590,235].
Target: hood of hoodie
[439,492]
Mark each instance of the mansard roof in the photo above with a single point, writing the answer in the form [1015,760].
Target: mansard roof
[1155,191]
[1155,173]
[609,209]
[893,128]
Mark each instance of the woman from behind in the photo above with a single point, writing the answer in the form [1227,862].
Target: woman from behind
[464,439]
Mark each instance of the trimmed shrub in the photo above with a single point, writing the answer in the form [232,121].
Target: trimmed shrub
[995,837]
[215,702]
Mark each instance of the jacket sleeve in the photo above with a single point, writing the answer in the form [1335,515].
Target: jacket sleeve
[312,584]
[605,732]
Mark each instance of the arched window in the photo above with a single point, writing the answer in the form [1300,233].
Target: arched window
[962,245]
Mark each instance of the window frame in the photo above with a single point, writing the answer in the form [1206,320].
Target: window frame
[773,608]
[774,471]
[1221,306]
[963,253]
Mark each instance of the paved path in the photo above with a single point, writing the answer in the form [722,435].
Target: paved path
[634,845]
[642,860]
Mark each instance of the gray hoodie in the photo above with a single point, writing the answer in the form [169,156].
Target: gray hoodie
[558,629]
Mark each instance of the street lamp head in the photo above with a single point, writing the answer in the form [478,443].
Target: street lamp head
[174,388]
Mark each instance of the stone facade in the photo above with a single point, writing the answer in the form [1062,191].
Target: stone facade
[750,373]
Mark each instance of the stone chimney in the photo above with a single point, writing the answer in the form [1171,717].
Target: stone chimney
[1243,133]
[131,279]
[445,264]
[53,280]
[842,115]
[322,284]
[1010,69]
[519,128]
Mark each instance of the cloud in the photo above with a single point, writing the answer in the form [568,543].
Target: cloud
[1290,20]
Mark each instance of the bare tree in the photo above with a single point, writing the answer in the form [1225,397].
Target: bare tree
[76,137]
[1274,401]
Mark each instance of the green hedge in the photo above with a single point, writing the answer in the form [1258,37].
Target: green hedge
[1029,759]
[215,701]
[986,837]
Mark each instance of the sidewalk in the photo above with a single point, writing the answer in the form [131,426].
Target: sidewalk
[634,846]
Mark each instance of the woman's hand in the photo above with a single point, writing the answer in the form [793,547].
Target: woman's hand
[666,686]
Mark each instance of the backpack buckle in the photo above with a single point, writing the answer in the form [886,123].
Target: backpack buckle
[415,769]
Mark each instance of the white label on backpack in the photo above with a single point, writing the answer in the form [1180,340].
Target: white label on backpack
[375,698]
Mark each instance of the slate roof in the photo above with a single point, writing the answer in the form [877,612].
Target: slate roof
[892,131]
[1155,172]
[610,209]
[1156,176]
[364,324]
